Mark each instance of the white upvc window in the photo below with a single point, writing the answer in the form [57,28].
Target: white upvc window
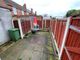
[22,12]
[15,11]
[27,13]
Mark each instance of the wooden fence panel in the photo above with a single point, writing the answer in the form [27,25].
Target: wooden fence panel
[25,26]
[28,25]
[22,25]
[73,41]
[47,23]
[71,48]
[43,23]
[58,28]
[61,33]
[40,23]
[53,25]
[64,54]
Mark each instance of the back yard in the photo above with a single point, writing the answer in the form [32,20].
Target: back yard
[32,47]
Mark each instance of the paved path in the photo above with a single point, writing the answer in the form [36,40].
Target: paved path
[31,48]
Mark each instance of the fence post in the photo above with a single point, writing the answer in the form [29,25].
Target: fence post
[51,25]
[42,24]
[64,38]
[55,27]
[21,32]
[12,23]
[45,23]
[54,37]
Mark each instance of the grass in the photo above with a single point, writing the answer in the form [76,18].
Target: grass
[50,49]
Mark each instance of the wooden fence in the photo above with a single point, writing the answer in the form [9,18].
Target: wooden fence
[40,23]
[67,37]
[25,26]
[46,23]
[72,45]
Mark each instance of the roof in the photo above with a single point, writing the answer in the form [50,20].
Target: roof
[46,17]
[28,11]
[16,5]
[3,5]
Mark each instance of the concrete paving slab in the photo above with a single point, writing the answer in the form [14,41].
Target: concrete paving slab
[31,48]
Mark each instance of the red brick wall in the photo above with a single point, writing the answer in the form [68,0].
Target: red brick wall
[2,3]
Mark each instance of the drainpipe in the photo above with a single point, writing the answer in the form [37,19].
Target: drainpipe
[12,23]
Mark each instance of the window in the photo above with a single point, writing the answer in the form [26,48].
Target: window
[22,12]
[27,13]
[14,11]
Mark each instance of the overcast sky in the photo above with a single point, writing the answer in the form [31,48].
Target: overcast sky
[51,7]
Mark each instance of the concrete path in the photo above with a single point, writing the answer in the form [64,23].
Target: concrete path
[31,48]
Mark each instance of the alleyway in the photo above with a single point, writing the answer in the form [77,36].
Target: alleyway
[32,47]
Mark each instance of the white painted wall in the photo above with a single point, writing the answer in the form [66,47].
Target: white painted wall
[5,25]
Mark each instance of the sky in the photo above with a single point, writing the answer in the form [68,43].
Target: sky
[51,7]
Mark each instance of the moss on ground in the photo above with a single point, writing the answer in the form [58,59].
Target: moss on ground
[50,47]
[51,57]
